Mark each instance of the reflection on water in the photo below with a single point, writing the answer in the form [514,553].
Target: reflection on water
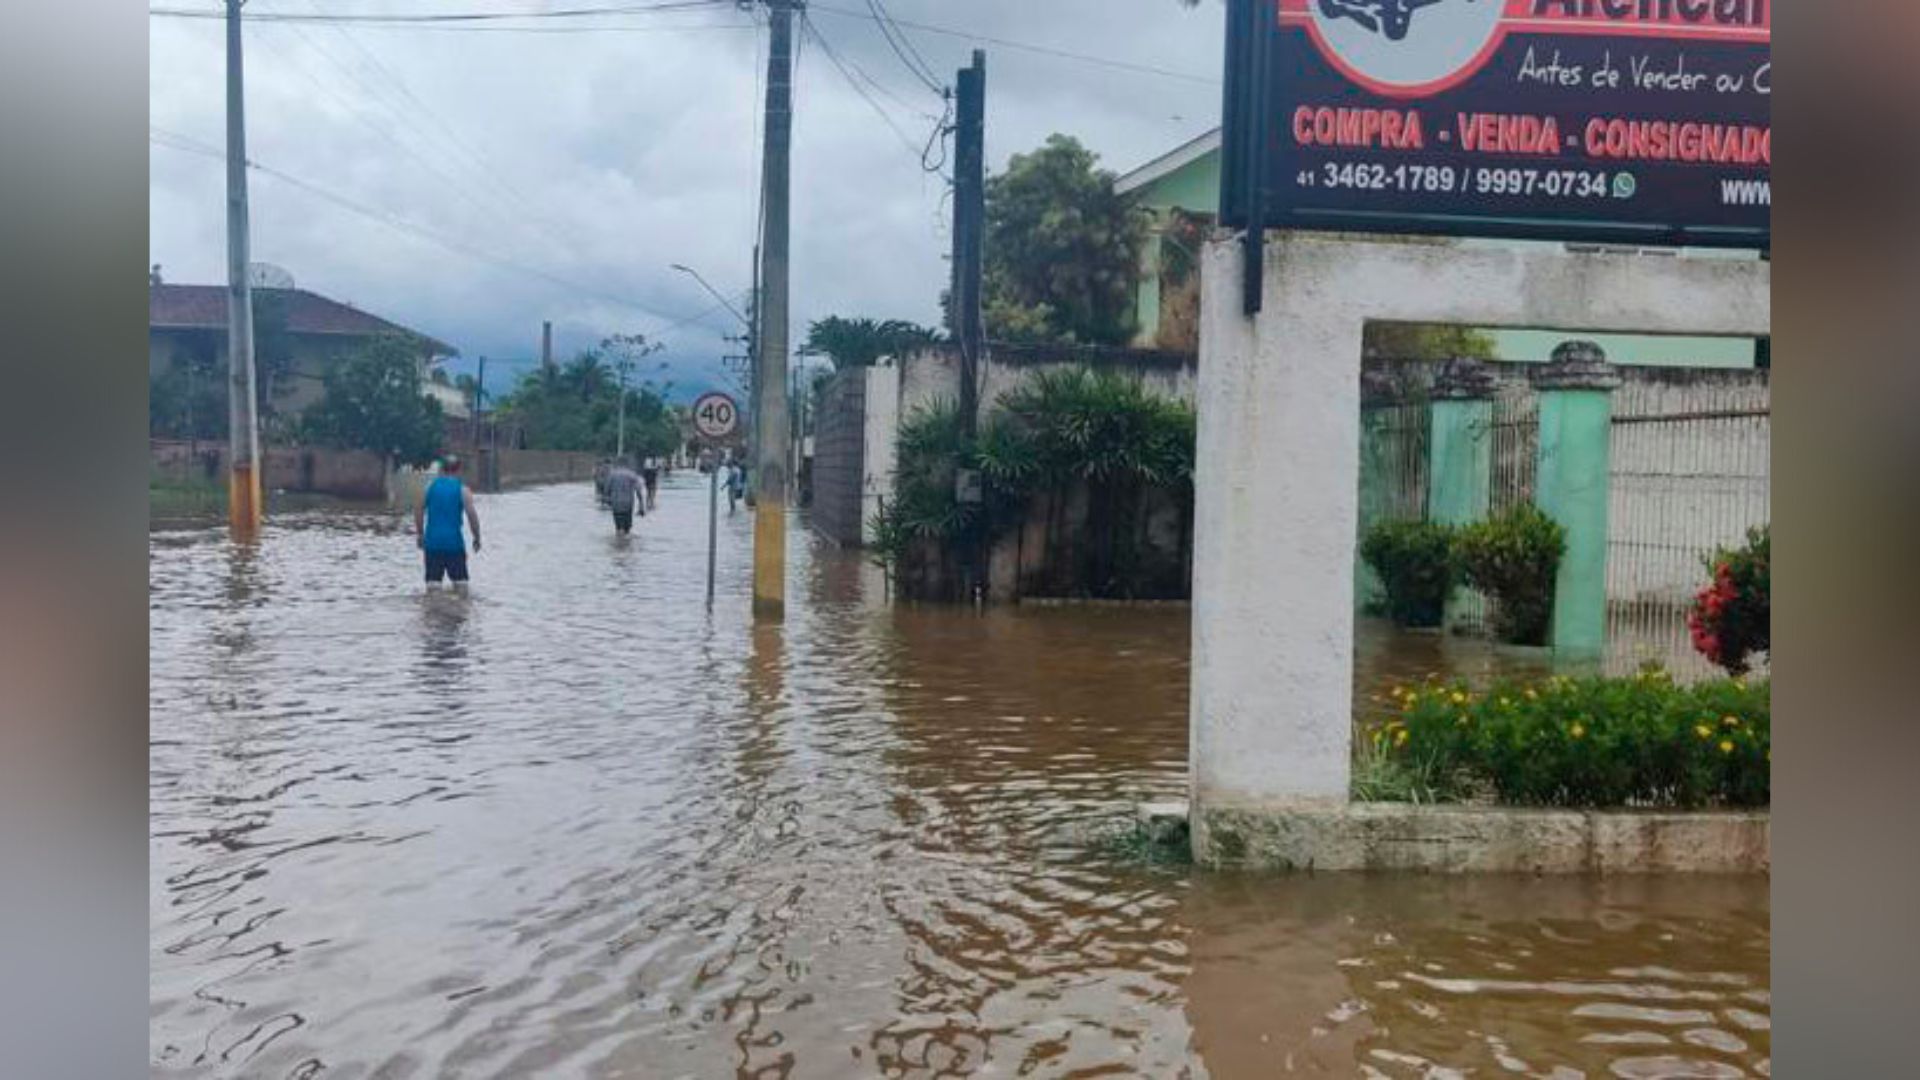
[571,826]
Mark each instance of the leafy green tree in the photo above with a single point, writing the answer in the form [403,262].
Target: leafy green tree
[1063,249]
[1420,341]
[575,406]
[856,343]
[374,401]
[273,360]
[188,399]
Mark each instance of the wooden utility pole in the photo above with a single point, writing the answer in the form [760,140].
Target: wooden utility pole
[969,250]
[969,232]
[479,402]
[243,420]
[770,383]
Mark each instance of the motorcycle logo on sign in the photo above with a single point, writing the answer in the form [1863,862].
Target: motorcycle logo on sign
[1381,45]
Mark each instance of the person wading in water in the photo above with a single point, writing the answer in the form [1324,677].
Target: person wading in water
[624,494]
[445,505]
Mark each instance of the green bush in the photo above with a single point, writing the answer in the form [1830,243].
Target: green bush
[1596,742]
[1514,558]
[1416,565]
[1732,618]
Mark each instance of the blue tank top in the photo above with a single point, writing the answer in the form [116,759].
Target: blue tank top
[446,516]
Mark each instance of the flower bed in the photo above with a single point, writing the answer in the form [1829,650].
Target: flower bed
[1588,743]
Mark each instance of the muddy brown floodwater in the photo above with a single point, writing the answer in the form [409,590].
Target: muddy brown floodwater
[570,826]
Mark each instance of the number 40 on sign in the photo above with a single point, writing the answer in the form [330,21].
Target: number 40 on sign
[715,416]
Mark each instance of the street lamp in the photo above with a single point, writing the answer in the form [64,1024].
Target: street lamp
[753,352]
[715,293]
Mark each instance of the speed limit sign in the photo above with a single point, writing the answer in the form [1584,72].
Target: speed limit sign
[715,416]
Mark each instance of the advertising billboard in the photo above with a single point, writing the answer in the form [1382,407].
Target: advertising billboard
[1642,122]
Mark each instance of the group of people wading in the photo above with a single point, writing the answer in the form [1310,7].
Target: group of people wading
[445,512]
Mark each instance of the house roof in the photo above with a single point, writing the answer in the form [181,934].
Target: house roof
[204,307]
[1168,163]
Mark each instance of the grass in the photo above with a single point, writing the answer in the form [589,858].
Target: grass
[174,499]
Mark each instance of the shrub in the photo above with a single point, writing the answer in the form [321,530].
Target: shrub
[1514,557]
[1597,742]
[1732,618]
[1416,564]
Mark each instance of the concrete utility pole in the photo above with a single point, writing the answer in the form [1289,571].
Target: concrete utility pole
[243,419]
[770,385]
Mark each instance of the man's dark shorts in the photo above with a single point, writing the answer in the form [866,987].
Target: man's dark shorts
[446,564]
[623,522]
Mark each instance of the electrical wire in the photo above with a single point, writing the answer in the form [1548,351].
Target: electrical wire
[176,141]
[427,19]
[1022,46]
[842,65]
[903,47]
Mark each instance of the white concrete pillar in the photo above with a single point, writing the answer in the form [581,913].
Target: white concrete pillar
[1277,490]
[1277,505]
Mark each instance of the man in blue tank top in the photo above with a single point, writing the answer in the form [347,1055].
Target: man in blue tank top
[444,506]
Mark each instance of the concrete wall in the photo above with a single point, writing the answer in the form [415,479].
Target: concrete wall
[525,468]
[839,459]
[1278,486]
[346,474]
[880,453]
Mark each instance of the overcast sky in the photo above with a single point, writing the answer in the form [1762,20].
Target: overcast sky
[599,158]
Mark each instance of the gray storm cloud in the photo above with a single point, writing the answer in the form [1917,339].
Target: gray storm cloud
[600,158]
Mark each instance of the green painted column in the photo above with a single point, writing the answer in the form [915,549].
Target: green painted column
[1460,452]
[1375,500]
[1147,302]
[1574,484]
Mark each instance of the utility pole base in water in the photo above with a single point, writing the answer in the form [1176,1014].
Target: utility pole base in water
[770,559]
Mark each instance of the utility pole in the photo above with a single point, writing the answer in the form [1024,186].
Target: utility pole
[243,420]
[770,383]
[546,344]
[479,400]
[969,232]
[620,440]
[969,251]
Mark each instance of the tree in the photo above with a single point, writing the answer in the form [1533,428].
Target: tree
[856,343]
[1420,341]
[575,406]
[1063,249]
[374,401]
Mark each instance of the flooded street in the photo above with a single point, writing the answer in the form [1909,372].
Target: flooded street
[572,826]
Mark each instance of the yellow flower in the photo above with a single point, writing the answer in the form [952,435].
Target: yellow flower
[1703,731]
[1400,737]
[1731,721]
[1459,698]
[1726,746]
[1578,730]
[1506,703]
[1532,694]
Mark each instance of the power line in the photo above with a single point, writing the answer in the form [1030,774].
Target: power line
[809,30]
[371,18]
[175,141]
[903,47]
[1041,50]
